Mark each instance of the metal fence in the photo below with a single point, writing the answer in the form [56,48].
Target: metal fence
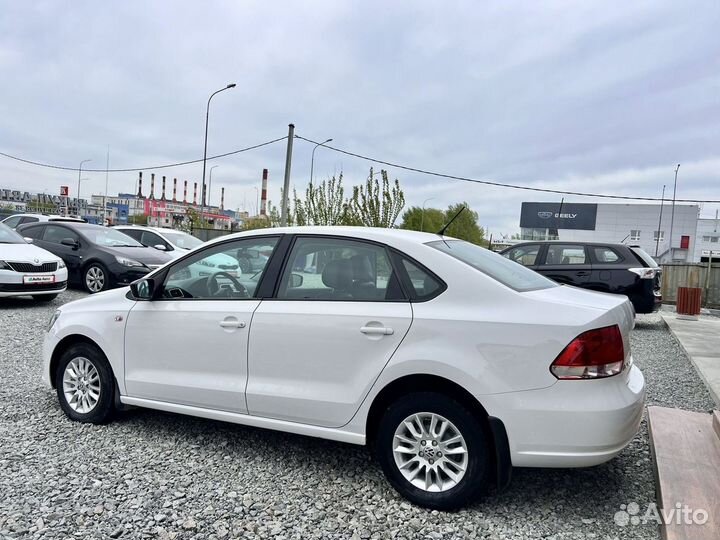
[692,275]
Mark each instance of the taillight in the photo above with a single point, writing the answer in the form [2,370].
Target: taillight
[644,273]
[592,355]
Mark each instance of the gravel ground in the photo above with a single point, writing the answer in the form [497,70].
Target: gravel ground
[157,475]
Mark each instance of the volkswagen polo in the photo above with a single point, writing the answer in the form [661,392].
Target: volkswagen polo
[453,363]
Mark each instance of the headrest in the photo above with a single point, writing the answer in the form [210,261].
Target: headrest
[362,269]
[337,274]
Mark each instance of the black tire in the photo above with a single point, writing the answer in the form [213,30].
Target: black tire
[44,297]
[95,269]
[103,408]
[473,432]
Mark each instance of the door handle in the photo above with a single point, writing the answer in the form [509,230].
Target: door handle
[232,323]
[582,273]
[377,331]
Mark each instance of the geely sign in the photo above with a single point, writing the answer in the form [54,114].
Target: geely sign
[556,216]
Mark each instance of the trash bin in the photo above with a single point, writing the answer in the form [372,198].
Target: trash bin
[689,300]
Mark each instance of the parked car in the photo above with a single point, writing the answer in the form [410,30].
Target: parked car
[16,220]
[27,270]
[177,244]
[97,257]
[602,267]
[453,363]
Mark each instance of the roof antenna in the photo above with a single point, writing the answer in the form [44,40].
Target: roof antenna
[441,232]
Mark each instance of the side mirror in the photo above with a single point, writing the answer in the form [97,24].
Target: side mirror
[160,247]
[143,289]
[296,280]
[70,242]
[28,239]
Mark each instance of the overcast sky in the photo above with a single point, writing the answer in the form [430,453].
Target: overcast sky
[587,96]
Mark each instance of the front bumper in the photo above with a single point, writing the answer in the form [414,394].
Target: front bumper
[12,283]
[571,423]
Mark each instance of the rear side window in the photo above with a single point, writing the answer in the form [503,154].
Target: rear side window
[643,257]
[564,254]
[35,232]
[604,254]
[424,285]
[13,221]
[507,272]
[29,219]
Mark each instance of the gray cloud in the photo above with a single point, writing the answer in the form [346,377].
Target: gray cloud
[592,96]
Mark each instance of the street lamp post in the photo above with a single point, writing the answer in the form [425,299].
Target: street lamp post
[207,118]
[78,189]
[210,184]
[672,211]
[257,200]
[422,216]
[312,159]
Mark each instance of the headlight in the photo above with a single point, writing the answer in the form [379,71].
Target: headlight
[4,266]
[61,264]
[127,262]
[54,318]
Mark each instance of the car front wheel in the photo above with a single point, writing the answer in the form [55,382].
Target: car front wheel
[433,450]
[96,278]
[85,385]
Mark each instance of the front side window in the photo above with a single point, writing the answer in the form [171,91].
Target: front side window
[525,255]
[215,273]
[505,271]
[103,236]
[182,240]
[560,254]
[338,269]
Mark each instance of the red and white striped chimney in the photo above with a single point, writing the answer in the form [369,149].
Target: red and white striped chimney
[152,185]
[139,193]
[185,192]
[195,194]
[174,189]
[162,197]
[222,199]
[263,193]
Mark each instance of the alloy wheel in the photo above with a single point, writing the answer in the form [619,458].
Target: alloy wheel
[95,279]
[81,385]
[430,452]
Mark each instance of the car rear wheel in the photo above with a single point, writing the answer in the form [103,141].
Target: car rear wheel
[44,297]
[85,385]
[96,278]
[433,450]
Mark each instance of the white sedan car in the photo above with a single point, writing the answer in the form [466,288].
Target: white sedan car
[453,363]
[27,270]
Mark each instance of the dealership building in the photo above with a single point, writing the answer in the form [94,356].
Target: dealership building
[644,225]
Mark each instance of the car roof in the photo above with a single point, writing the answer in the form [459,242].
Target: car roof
[565,242]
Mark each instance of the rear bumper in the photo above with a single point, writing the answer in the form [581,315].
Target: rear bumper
[571,423]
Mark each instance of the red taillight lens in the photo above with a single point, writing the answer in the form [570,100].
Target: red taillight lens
[592,355]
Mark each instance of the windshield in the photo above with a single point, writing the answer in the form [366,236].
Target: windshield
[181,239]
[8,236]
[644,257]
[109,237]
[507,272]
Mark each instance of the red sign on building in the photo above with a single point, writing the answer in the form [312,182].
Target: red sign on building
[64,191]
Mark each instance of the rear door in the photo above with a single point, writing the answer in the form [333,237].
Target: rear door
[566,263]
[609,270]
[336,319]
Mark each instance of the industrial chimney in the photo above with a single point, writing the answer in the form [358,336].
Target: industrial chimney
[174,189]
[222,199]
[162,197]
[185,192]
[195,194]
[139,193]
[152,186]
[263,193]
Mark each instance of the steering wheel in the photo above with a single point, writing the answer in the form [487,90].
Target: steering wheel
[214,287]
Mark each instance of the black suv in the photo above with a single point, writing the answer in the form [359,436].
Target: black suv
[611,268]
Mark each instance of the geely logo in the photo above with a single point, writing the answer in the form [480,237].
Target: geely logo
[545,215]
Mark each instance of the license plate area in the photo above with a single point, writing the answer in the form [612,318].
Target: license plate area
[35,280]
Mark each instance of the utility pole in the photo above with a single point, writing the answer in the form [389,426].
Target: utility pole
[672,212]
[78,190]
[657,240]
[312,159]
[107,173]
[286,183]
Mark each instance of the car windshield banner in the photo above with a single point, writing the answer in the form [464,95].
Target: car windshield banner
[537,215]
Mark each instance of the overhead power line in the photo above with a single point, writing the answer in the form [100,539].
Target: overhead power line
[135,169]
[498,184]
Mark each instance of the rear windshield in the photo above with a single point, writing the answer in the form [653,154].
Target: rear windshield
[644,257]
[507,272]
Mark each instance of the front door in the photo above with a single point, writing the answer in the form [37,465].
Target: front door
[190,345]
[72,256]
[317,348]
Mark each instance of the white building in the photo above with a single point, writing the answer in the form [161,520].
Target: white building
[636,224]
[708,239]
